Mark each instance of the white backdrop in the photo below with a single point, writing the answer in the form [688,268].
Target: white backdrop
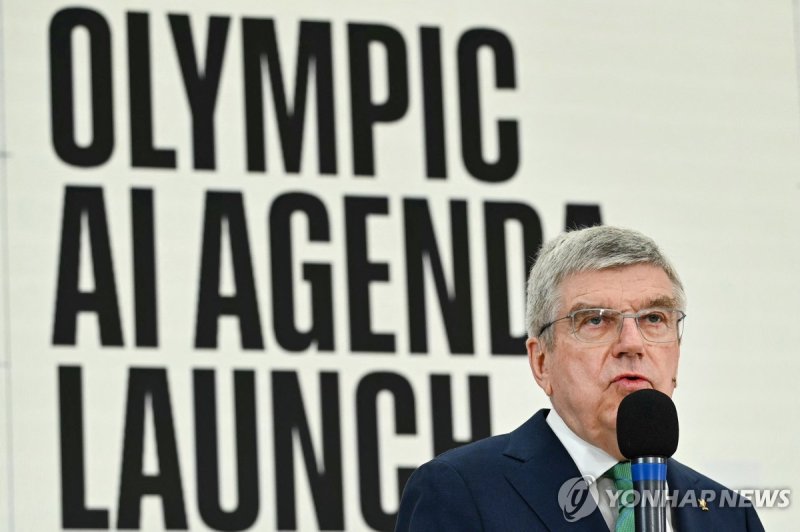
[680,120]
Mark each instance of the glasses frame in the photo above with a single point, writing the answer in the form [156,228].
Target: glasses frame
[635,316]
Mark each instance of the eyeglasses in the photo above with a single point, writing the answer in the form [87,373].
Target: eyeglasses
[603,325]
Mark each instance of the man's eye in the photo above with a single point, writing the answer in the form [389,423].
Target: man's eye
[592,319]
[654,317]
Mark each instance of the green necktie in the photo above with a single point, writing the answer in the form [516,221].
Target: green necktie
[621,474]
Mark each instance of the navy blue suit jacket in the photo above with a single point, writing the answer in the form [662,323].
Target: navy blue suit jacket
[511,483]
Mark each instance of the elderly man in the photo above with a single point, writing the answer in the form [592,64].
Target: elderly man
[586,356]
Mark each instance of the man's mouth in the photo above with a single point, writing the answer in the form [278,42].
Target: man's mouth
[632,381]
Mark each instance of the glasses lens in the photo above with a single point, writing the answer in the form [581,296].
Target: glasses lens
[596,325]
[661,325]
[604,325]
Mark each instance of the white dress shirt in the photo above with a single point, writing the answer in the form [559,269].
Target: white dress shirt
[592,462]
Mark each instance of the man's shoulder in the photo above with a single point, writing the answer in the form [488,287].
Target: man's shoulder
[698,497]
[477,486]
[475,453]
[515,445]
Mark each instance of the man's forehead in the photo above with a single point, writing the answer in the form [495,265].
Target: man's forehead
[639,286]
[664,301]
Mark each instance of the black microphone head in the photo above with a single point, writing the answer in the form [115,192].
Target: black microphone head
[647,425]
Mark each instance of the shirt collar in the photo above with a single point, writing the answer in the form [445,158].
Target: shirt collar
[591,461]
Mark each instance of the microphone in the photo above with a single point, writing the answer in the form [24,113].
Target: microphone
[647,434]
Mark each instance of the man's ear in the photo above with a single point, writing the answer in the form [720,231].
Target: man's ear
[539,360]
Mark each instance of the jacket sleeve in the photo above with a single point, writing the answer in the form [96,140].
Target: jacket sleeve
[436,498]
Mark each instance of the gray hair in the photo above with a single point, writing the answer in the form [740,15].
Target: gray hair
[593,248]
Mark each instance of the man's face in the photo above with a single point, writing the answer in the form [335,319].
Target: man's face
[586,382]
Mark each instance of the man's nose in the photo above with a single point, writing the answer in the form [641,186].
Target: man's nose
[630,340]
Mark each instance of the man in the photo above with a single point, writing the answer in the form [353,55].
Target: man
[605,315]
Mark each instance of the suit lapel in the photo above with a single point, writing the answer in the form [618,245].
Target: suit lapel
[682,482]
[538,467]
